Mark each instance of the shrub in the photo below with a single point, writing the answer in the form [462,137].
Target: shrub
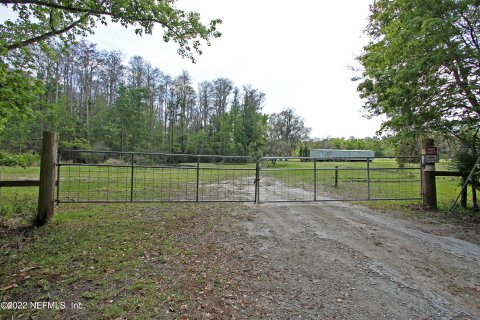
[115,162]
[76,144]
[18,160]
[80,157]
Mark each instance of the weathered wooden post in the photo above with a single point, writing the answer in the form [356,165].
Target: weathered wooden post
[474,195]
[463,199]
[46,191]
[429,157]
[257,181]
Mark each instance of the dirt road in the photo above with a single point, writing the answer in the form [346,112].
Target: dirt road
[335,260]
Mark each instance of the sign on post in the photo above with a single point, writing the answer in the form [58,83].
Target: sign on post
[431,155]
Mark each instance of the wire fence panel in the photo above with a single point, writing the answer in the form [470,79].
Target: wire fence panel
[164,184]
[282,184]
[342,183]
[94,176]
[229,184]
[90,183]
[308,179]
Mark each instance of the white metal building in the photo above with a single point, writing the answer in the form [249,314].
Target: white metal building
[341,155]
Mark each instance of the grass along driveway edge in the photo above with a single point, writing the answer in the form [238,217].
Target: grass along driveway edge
[130,261]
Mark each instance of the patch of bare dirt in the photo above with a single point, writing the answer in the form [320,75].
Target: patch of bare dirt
[335,260]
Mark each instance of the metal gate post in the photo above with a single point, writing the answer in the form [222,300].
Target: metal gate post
[257,181]
[336,176]
[198,179]
[314,179]
[131,177]
[58,179]
[368,178]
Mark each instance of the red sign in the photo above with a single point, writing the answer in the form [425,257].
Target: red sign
[431,151]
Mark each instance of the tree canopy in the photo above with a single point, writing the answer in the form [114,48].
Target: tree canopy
[41,20]
[422,67]
[44,26]
[94,99]
[285,131]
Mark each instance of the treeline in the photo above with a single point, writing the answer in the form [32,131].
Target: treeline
[381,146]
[97,101]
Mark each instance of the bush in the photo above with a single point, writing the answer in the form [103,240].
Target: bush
[464,160]
[115,162]
[79,157]
[76,144]
[18,160]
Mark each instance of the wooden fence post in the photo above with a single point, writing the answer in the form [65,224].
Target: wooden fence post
[429,192]
[463,199]
[46,192]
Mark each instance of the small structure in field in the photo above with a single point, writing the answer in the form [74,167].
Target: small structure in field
[341,155]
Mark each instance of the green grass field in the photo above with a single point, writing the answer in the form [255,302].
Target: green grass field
[18,205]
[219,182]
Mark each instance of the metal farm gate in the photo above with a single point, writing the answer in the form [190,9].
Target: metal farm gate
[99,176]
[341,179]
[108,176]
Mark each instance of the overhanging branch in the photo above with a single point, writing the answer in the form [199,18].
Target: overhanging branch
[96,12]
[45,36]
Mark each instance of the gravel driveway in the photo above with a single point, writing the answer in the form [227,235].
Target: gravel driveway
[335,260]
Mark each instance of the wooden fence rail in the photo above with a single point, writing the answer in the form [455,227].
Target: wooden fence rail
[21,183]
[464,194]
[47,182]
[448,174]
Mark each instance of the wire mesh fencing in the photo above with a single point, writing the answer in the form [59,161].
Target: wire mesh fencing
[308,179]
[95,176]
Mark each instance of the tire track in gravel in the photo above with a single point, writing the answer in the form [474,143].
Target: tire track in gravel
[340,261]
